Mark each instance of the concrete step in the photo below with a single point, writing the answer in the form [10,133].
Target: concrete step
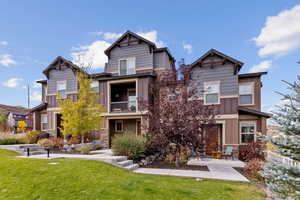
[125,163]
[131,167]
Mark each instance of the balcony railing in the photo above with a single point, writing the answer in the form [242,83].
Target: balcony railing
[123,106]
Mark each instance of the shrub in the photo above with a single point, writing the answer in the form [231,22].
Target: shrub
[84,149]
[7,141]
[74,140]
[129,145]
[251,151]
[252,169]
[57,142]
[31,137]
[46,143]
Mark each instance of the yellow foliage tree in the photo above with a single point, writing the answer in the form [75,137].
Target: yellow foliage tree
[83,116]
[21,126]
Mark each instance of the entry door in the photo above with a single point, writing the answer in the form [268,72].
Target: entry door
[213,139]
[58,125]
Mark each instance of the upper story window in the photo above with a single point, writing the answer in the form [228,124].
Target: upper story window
[247,131]
[127,66]
[44,122]
[95,86]
[61,87]
[246,93]
[212,92]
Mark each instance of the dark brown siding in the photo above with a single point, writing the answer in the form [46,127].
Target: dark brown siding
[37,120]
[52,101]
[226,106]
[143,89]
[103,92]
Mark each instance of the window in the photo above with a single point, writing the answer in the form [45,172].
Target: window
[211,92]
[119,126]
[247,131]
[61,89]
[95,86]
[44,122]
[246,93]
[127,66]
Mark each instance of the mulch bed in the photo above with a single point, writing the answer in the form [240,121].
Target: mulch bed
[166,165]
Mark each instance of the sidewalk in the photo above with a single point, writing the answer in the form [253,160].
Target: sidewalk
[218,169]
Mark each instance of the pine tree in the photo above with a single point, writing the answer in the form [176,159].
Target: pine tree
[281,178]
[84,115]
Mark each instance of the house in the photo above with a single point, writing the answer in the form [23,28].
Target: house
[133,64]
[15,114]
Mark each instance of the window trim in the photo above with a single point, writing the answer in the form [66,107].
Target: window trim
[252,85]
[61,81]
[126,58]
[45,114]
[204,93]
[119,121]
[255,129]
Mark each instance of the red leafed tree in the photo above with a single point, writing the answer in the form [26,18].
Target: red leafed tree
[174,115]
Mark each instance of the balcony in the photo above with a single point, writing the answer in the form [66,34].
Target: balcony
[123,97]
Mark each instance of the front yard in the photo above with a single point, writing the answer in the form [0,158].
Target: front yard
[83,179]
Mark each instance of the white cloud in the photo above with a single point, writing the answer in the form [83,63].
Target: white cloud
[92,54]
[262,66]
[13,83]
[152,36]
[3,43]
[108,35]
[281,33]
[6,60]
[36,96]
[187,47]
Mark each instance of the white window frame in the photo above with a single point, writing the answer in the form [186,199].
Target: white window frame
[252,93]
[126,58]
[119,121]
[42,122]
[61,82]
[205,92]
[91,85]
[248,123]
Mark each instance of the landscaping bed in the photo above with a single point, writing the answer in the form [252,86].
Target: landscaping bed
[166,165]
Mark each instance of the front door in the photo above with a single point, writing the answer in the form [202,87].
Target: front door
[58,125]
[213,139]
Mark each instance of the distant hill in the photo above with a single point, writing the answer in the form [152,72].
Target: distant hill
[4,109]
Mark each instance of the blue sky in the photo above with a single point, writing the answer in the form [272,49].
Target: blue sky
[34,33]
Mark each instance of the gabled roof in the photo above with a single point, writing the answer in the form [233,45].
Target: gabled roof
[127,33]
[245,110]
[61,60]
[238,64]
[250,75]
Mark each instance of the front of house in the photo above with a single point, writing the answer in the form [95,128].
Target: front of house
[133,64]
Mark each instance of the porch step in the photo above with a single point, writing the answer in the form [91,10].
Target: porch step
[131,167]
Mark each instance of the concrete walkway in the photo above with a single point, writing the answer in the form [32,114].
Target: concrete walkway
[218,169]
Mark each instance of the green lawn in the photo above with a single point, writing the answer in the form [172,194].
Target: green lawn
[31,179]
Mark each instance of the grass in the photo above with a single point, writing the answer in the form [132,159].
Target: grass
[33,179]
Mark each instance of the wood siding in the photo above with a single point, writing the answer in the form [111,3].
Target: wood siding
[103,93]
[226,106]
[61,75]
[161,60]
[53,102]
[223,73]
[143,89]
[231,131]
[141,52]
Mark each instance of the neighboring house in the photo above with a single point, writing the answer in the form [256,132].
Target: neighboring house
[133,64]
[15,114]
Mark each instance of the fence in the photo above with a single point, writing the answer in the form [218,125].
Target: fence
[277,157]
